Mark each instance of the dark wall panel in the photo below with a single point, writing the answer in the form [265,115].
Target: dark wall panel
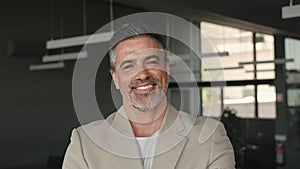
[36,108]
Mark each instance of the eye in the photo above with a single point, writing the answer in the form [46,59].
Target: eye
[153,62]
[128,66]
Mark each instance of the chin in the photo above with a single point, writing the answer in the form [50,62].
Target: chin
[152,101]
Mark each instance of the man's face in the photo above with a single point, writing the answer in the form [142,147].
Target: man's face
[141,73]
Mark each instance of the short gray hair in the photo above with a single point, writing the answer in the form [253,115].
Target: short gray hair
[131,31]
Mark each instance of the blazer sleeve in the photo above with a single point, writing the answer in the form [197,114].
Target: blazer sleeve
[74,157]
[222,154]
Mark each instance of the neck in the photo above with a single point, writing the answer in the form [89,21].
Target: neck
[145,124]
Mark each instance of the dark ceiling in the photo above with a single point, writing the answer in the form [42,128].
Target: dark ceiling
[255,15]
[36,21]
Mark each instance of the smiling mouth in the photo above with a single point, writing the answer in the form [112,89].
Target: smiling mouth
[144,88]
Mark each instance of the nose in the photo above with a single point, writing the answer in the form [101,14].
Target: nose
[142,74]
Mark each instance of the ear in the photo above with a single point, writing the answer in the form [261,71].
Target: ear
[115,79]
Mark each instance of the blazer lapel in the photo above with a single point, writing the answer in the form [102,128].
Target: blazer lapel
[122,140]
[169,159]
[121,123]
[171,141]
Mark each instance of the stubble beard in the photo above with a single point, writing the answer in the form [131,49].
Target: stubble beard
[146,102]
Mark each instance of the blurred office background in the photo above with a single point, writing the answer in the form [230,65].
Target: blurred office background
[258,49]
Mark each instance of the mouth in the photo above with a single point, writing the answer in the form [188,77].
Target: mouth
[145,88]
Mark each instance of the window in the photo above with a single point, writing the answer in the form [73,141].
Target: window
[211,101]
[265,52]
[293,97]
[238,44]
[266,97]
[292,51]
[241,99]
[248,64]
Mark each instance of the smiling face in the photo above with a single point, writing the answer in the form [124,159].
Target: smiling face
[141,73]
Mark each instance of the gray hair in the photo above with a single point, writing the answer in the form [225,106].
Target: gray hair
[131,31]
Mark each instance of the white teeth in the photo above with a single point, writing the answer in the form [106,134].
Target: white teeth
[144,87]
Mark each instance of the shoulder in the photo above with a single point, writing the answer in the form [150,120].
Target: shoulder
[93,128]
[204,128]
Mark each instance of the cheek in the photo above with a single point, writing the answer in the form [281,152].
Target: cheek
[163,77]
[124,82]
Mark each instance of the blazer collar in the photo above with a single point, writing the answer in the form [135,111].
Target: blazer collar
[121,123]
[172,120]
[171,140]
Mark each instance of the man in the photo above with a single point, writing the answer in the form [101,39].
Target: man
[146,132]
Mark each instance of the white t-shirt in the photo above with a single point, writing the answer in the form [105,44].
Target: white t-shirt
[147,149]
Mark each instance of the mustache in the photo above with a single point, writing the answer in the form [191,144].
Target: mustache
[148,79]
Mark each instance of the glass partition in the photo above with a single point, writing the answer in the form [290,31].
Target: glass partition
[236,43]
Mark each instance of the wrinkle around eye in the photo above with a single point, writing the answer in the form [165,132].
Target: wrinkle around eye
[153,63]
[127,67]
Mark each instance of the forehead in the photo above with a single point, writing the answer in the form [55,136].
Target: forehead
[134,45]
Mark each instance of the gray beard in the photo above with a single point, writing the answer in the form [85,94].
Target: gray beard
[153,99]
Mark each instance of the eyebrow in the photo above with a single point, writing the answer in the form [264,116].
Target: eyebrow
[126,61]
[133,60]
[152,57]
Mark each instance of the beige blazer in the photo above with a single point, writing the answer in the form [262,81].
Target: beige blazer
[184,143]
